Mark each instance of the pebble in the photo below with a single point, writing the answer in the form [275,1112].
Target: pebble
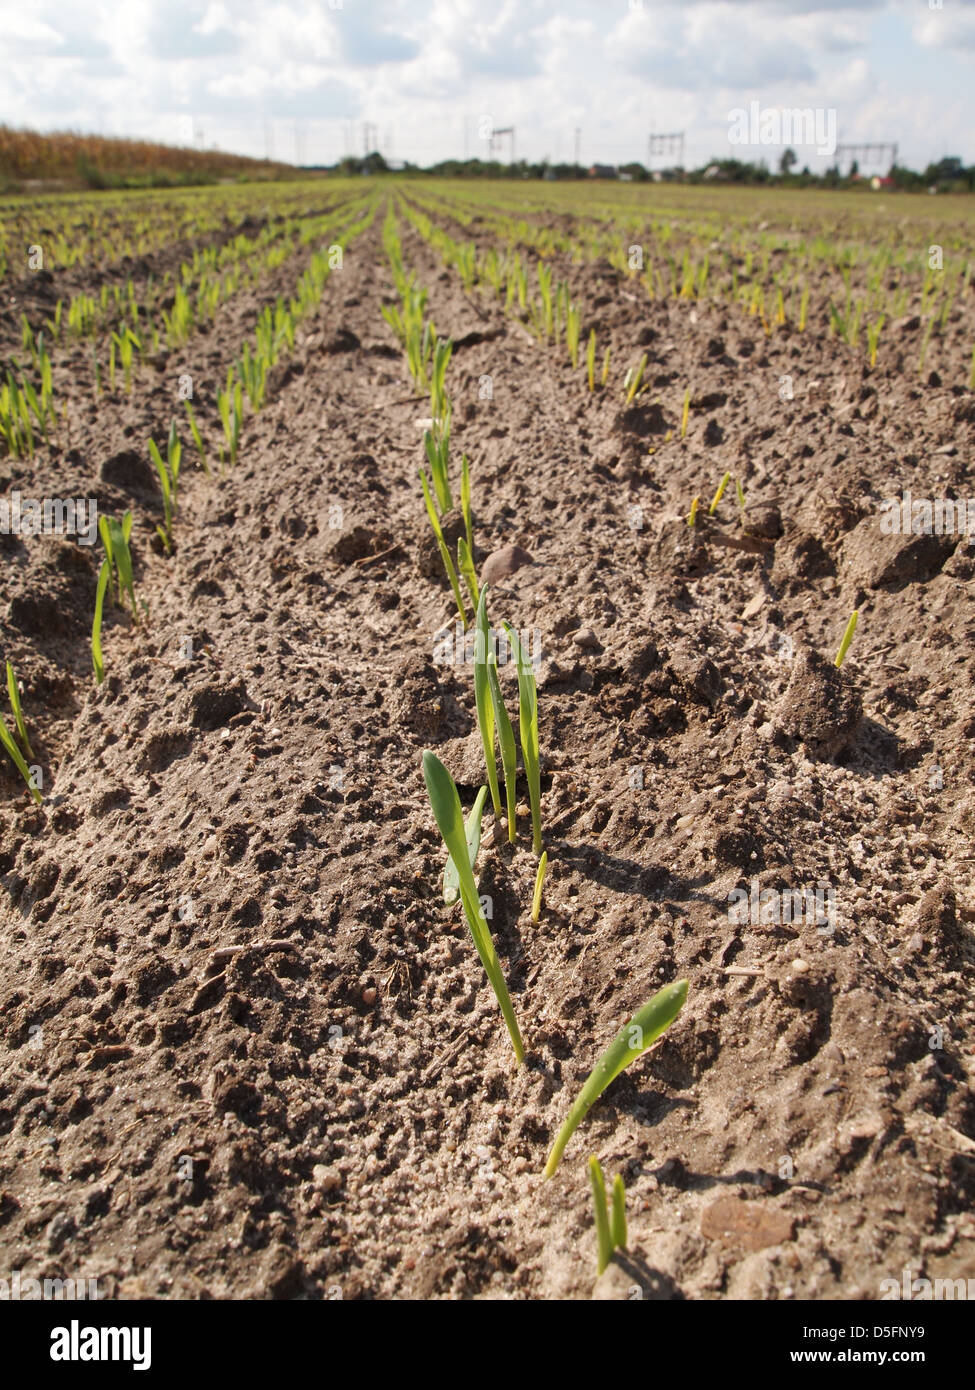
[585,637]
[328,1179]
[800,966]
[369,995]
[502,563]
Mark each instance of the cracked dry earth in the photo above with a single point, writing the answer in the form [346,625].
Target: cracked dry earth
[223,938]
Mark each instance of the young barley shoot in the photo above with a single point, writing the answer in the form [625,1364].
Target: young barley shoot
[448,563]
[633,379]
[591,360]
[644,1028]
[6,738]
[96,627]
[197,440]
[528,728]
[685,413]
[119,552]
[447,813]
[465,500]
[472,832]
[539,884]
[483,699]
[851,628]
[692,514]
[437,447]
[719,494]
[604,1242]
[465,564]
[506,742]
[617,1225]
[13,691]
[164,532]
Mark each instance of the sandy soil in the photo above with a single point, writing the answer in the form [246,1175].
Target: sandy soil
[330,1109]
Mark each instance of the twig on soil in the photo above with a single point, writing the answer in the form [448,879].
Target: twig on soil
[224,953]
[370,559]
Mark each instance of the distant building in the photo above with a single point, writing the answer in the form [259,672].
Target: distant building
[602,171]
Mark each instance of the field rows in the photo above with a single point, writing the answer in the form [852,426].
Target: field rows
[270,1062]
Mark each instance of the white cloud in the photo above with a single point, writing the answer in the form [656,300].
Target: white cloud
[424,74]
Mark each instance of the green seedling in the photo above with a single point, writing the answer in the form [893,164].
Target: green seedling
[6,738]
[197,440]
[692,514]
[591,360]
[545,289]
[97,660]
[851,628]
[610,1231]
[617,1227]
[437,445]
[573,325]
[14,692]
[447,813]
[472,832]
[168,481]
[230,403]
[448,563]
[539,883]
[528,728]
[644,1028]
[685,414]
[719,494]
[740,493]
[633,379]
[115,538]
[465,500]
[483,699]
[604,1244]
[605,376]
[506,742]
[438,394]
[465,563]
[128,345]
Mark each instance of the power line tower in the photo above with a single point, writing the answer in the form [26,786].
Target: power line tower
[869,154]
[663,146]
[497,134]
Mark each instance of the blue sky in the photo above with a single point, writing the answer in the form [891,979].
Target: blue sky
[304,78]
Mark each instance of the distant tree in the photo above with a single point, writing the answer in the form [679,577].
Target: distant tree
[787,162]
[947,170]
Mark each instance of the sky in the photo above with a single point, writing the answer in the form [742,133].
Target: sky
[309,81]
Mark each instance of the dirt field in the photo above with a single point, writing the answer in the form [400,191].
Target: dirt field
[330,1109]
